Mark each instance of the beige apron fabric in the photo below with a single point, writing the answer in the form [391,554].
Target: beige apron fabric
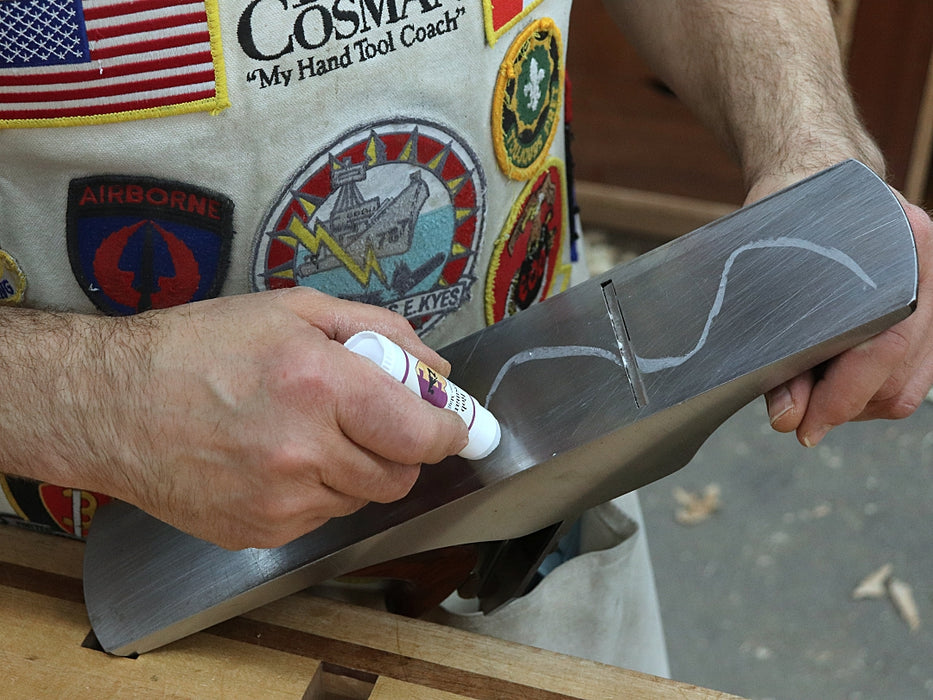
[600,605]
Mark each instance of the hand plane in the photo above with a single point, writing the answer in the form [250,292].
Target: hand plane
[599,390]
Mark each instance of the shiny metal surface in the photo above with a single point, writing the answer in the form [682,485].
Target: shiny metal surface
[600,390]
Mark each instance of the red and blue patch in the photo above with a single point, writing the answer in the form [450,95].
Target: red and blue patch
[70,62]
[140,243]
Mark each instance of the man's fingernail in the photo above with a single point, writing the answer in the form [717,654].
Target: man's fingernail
[812,439]
[779,403]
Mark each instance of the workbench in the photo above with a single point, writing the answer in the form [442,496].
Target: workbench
[298,647]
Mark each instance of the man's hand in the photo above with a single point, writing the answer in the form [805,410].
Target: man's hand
[241,420]
[767,77]
[887,376]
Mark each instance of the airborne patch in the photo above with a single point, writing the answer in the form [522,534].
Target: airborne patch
[140,243]
[390,214]
[527,258]
[501,15]
[526,104]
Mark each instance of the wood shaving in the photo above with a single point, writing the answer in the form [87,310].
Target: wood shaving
[902,595]
[696,508]
[873,585]
[821,511]
[880,584]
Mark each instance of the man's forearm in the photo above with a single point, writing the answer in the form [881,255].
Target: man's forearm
[765,75]
[53,364]
[254,395]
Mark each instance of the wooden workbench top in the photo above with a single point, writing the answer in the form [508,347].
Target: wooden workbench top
[298,647]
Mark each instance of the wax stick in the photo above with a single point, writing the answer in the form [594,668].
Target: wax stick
[433,387]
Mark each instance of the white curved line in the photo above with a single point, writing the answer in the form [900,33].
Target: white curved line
[550,352]
[654,364]
[648,365]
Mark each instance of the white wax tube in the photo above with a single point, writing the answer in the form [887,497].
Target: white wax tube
[485,432]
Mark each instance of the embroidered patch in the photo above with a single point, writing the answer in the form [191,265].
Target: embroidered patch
[526,105]
[12,280]
[501,15]
[52,508]
[527,264]
[139,243]
[68,62]
[71,509]
[390,214]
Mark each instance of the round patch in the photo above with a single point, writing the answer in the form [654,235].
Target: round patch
[526,260]
[390,214]
[12,280]
[51,508]
[527,99]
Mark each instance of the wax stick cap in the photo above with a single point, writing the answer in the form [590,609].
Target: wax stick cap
[485,434]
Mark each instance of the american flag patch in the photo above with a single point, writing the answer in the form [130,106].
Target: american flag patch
[501,15]
[68,62]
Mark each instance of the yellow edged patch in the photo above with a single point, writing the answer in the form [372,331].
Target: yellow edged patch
[526,104]
[527,264]
[12,280]
[499,16]
[80,63]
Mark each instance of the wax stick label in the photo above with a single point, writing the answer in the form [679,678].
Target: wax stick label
[433,386]
[436,390]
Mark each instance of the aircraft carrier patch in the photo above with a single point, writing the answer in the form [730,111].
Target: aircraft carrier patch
[526,104]
[389,214]
[140,243]
[527,261]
